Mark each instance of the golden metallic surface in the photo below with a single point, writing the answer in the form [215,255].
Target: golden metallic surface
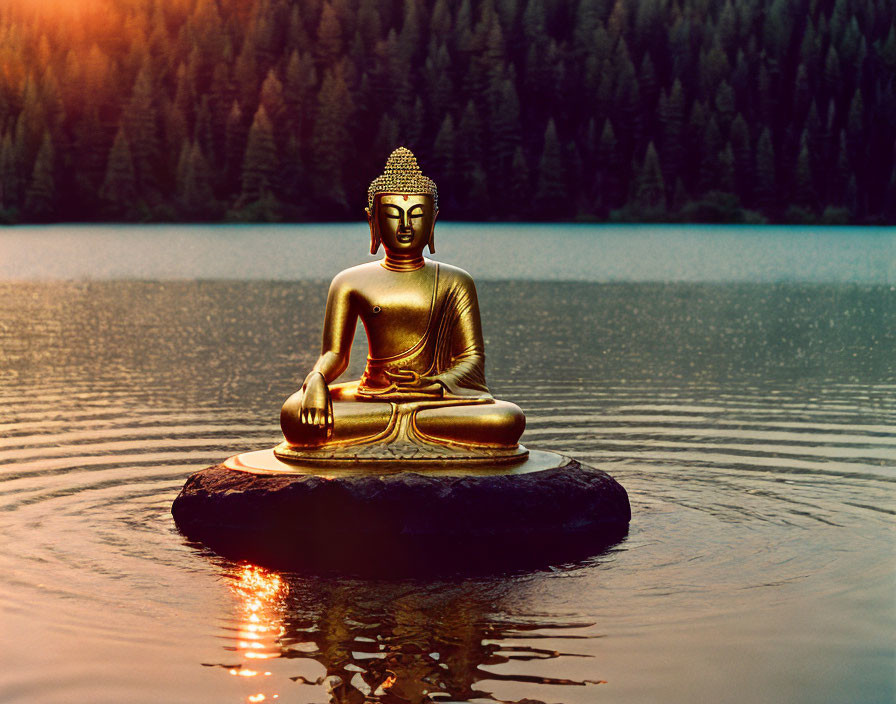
[423,393]
[267,463]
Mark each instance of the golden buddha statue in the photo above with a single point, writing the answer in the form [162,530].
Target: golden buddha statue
[423,394]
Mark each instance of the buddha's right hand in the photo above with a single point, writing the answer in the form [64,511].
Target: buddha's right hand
[317,406]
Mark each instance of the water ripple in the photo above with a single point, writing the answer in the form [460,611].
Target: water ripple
[755,485]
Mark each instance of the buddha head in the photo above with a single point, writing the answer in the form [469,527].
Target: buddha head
[402,207]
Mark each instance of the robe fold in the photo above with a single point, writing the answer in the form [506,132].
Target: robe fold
[451,350]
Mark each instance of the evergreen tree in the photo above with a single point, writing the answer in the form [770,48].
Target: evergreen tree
[463,29]
[714,68]
[802,95]
[838,177]
[260,160]
[572,160]
[743,158]
[194,190]
[203,132]
[411,32]
[387,136]
[587,21]
[508,11]
[468,147]
[330,141]
[696,133]
[298,90]
[679,196]
[607,188]
[273,101]
[329,38]
[174,131]
[725,106]
[88,150]
[519,192]
[890,198]
[31,124]
[803,190]
[709,156]
[41,197]
[649,86]
[185,95]
[234,148]
[726,30]
[650,197]
[370,24]
[506,130]
[817,147]
[550,194]
[9,174]
[119,190]
[292,178]
[534,19]
[766,181]
[810,49]
[855,129]
[245,71]
[437,70]
[142,131]
[443,151]
[412,126]
[766,98]
[727,181]
[618,21]
[51,100]
[649,20]
[831,77]
[672,113]
[440,21]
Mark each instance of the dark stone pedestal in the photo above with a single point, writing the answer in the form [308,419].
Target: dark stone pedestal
[549,509]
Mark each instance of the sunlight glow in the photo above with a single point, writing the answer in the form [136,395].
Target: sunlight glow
[389,681]
[261,596]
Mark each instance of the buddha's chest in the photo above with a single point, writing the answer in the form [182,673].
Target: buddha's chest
[396,312]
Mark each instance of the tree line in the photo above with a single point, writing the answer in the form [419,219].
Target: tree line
[741,110]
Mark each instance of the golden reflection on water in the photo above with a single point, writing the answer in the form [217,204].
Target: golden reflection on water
[261,597]
[385,642]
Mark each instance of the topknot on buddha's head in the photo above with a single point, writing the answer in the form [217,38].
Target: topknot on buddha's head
[403,176]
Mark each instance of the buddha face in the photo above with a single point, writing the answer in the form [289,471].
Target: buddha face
[403,223]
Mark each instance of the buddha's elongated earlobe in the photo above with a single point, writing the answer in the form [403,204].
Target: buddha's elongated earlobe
[432,233]
[374,235]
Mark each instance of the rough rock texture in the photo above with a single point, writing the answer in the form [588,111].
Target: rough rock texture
[411,519]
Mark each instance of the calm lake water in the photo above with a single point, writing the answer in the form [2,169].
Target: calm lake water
[743,390]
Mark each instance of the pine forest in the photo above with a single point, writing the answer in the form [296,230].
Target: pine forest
[284,110]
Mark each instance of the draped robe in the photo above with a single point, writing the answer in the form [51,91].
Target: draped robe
[450,350]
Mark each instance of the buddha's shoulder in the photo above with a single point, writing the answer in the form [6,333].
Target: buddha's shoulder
[454,274]
[356,275]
